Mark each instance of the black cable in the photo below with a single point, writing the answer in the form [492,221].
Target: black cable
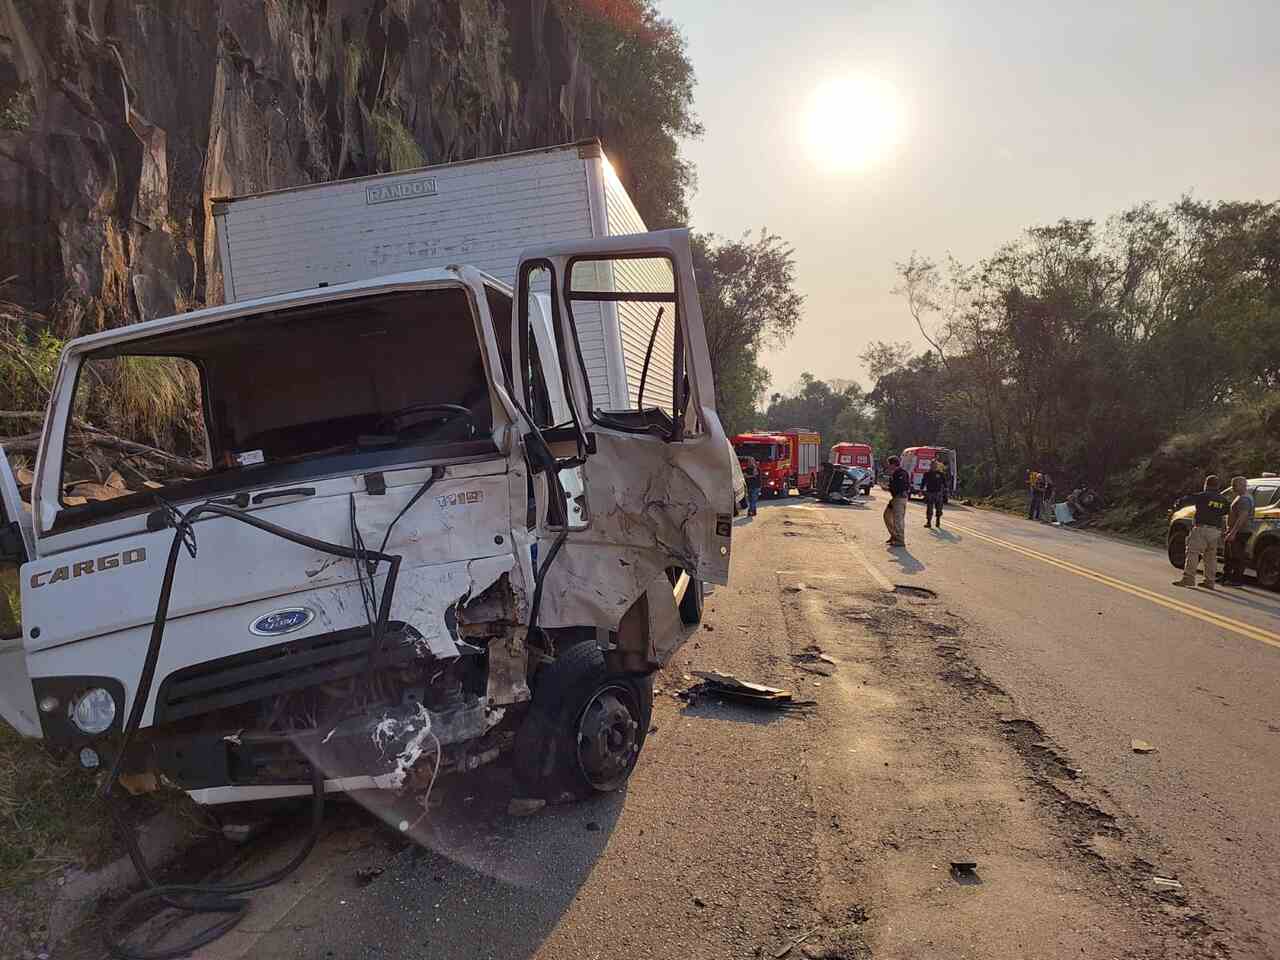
[215,898]
[202,897]
[436,474]
[539,576]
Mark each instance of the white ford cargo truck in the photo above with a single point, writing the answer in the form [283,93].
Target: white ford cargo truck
[453,481]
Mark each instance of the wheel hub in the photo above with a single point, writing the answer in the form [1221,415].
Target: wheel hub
[608,740]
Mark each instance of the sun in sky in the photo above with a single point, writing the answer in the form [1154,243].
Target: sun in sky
[853,122]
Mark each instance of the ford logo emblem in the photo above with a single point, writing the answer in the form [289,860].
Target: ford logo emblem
[281,621]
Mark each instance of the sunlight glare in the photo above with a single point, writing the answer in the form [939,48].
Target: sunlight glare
[853,123]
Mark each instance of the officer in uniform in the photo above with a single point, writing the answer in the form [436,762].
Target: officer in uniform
[1211,507]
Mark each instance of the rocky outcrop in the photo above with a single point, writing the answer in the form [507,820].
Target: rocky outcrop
[121,119]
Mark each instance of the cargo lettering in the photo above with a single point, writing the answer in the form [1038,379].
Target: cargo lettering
[80,568]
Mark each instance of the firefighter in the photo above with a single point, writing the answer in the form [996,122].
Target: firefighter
[751,474]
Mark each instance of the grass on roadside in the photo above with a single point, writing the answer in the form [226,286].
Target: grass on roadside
[49,817]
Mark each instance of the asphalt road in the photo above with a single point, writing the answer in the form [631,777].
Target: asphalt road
[986,717]
[1090,637]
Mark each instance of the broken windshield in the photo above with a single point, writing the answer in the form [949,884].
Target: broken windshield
[226,403]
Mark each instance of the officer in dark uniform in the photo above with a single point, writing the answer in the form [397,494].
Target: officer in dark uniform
[1211,509]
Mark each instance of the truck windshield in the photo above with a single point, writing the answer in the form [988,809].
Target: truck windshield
[276,396]
[761,451]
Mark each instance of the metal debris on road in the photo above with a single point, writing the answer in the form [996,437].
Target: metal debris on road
[1165,883]
[812,654]
[1141,746]
[728,687]
[783,951]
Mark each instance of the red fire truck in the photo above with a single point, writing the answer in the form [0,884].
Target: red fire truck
[788,458]
[856,455]
[772,451]
[806,456]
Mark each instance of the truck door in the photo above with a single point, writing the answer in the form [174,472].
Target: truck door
[17,703]
[653,480]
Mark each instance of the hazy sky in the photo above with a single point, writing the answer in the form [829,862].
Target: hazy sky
[1012,114]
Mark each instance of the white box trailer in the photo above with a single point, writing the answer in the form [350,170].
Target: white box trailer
[482,213]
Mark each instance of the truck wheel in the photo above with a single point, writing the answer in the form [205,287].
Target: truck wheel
[691,604]
[585,729]
[1268,567]
[1178,547]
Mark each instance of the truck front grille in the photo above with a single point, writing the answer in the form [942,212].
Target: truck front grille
[282,668]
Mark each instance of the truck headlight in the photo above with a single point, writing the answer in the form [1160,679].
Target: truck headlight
[93,711]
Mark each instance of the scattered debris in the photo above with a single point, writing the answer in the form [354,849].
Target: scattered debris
[812,654]
[1165,883]
[593,827]
[729,687]
[1141,746]
[783,951]
[707,626]
[524,806]
[965,871]
[369,874]
[699,902]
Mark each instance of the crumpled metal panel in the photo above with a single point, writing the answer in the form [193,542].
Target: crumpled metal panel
[647,512]
[424,595]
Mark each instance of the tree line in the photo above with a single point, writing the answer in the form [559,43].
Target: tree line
[1076,349]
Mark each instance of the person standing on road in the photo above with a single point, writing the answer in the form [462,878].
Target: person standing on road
[895,513]
[1048,495]
[751,474]
[935,486]
[1206,531]
[1037,496]
[1239,527]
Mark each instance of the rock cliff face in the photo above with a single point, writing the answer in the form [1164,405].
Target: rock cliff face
[121,119]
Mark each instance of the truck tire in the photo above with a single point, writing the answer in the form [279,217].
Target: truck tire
[585,729]
[1178,547]
[691,604]
[1268,566]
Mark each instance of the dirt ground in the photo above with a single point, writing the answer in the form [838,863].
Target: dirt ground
[824,833]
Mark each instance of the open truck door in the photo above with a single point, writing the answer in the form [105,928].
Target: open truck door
[17,546]
[651,479]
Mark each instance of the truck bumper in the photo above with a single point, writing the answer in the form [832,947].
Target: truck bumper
[379,751]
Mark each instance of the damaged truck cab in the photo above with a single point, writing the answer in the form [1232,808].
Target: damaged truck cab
[552,544]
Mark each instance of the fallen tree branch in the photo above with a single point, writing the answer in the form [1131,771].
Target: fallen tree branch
[85,435]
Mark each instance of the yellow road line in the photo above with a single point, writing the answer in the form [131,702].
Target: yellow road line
[1215,619]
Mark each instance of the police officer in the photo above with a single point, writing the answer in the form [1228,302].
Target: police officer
[1211,507]
[935,484]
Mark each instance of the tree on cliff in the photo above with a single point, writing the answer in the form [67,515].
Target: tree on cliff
[646,87]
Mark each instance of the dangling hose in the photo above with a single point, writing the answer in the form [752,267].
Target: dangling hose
[217,898]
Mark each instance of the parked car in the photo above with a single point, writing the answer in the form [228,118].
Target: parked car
[1263,546]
